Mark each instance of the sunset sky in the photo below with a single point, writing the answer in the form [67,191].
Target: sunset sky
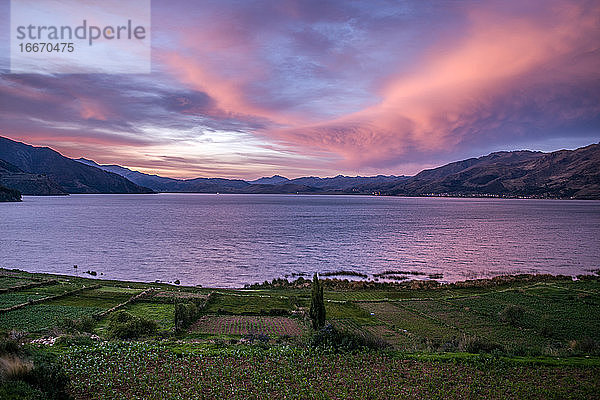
[244,89]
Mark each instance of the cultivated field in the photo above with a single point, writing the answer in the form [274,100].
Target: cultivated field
[519,337]
[245,324]
[152,371]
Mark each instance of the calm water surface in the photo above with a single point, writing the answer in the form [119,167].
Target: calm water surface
[231,240]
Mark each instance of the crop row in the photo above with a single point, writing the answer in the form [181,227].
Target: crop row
[242,325]
[413,323]
[12,299]
[7,282]
[40,316]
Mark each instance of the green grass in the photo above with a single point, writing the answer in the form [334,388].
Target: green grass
[40,316]
[162,313]
[557,320]
[104,297]
[247,304]
[558,314]
[548,353]
[350,311]
[471,323]
[403,319]
[13,299]
[53,290]
[11,281]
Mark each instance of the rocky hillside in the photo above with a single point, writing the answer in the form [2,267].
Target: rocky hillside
[29,184]
[560,174]
[70,175]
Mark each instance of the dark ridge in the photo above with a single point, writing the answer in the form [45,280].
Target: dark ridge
[344,273]
[70,175]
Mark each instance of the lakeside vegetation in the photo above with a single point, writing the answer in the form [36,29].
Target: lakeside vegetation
[7,194]
[526,336]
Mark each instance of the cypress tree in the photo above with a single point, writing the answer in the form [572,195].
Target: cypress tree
[317,305]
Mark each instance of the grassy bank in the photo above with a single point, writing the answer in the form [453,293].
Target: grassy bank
[514,337]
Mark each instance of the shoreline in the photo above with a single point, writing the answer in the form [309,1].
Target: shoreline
[432,196]
[334,281]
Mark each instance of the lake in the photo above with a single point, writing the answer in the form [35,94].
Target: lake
[231,240]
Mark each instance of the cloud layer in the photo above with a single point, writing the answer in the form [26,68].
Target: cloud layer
[300,87]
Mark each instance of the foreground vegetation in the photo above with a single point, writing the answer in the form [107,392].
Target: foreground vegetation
[511,337]
[153,371]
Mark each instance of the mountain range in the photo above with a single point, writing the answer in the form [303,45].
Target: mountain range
[560,174]
[274,184]
[57,174]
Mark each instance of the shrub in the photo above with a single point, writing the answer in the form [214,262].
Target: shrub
[123,325]
[546,326]
[49,376]
[278,311]
[75,340]
[252,337]
[32,375]
[512,314]
[185,315]
[8,346]
[317,304]
[331,339]
[587,345]
[83,324]
[19,390]
[474,344]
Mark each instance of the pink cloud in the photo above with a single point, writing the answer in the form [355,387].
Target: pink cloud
[450,96]
[90,109]
[452,92]
[338,88]
[226,93]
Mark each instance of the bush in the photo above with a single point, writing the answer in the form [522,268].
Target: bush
[9,346]
[19,390]
[123,325]
[36,375]
[474,344]
[512,314]
[546,326]
[49,376]
[587,346]
[252,337]
[185,315]
[333,340]
[75,340]
[83,324]
[278,311]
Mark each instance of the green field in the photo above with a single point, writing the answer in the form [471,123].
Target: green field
[242,303]
[13,281]
[13,299]
[152,371]
[37,317]
[528,337]
[159,312]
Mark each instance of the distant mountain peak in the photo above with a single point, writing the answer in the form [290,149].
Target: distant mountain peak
[87,161]
[271,180]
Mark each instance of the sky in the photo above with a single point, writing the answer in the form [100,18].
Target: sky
[243,89]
